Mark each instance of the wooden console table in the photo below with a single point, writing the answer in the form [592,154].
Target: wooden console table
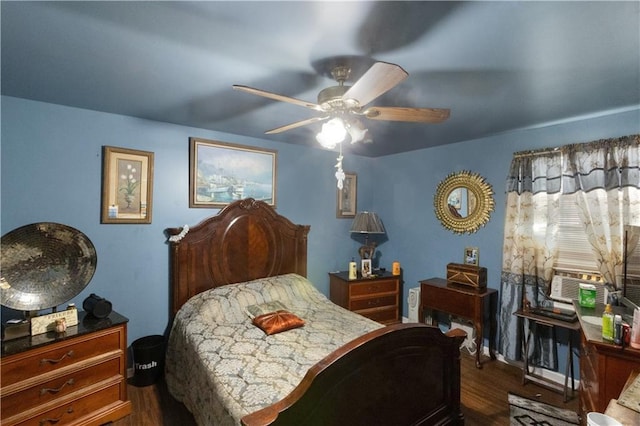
[438,294]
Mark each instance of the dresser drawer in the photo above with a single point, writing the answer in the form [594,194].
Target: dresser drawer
[588,386]
[373,302]
[586,405]
[15,401]
[592,361]
[373,287]
[385,316]
[57,356]
[71,410]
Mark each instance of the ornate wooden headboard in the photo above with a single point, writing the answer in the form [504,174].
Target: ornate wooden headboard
[245,241]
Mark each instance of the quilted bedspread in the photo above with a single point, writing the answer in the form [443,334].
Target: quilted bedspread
[222,367]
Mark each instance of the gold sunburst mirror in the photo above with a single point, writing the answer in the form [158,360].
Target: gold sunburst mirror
[463,202]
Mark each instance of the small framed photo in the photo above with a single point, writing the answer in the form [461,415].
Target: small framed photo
[347,197]
[471,256]
[127,185]
[366,268]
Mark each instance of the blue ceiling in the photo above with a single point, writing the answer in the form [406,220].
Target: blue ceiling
[497,66]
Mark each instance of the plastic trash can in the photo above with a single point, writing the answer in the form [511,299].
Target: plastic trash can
[148,360]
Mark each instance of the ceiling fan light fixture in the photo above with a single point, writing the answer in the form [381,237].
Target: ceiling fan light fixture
[333,132]
[343,105]
[357,131]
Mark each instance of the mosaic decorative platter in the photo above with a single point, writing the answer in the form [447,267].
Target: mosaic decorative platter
[44,265]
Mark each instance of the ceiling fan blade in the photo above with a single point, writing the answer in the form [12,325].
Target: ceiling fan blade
[295,125]
[420,115]
[277,97]
[380,78]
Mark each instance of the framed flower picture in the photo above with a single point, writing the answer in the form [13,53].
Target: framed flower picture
[127,185]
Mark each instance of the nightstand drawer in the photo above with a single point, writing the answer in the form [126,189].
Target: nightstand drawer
[385,316]
[373,287]
[373,302]
[58,355]
[23,399]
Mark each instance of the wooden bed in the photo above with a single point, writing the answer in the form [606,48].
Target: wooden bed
[405,374]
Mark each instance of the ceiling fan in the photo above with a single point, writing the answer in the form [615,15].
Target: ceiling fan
[344,104]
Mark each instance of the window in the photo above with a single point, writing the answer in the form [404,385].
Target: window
[575,253]
[633,262]
[574,250]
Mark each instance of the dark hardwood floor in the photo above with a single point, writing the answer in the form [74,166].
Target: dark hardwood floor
[484,397]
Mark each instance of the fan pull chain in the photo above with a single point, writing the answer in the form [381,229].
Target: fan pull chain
[339,171]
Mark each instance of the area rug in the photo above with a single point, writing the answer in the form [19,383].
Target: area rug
[525,411]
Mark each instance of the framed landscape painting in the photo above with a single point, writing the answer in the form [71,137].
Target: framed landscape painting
[220,173]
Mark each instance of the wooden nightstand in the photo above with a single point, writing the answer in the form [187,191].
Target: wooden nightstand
[76,377]
[376,298]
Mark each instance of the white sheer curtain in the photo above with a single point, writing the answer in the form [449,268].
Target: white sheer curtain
[604,180]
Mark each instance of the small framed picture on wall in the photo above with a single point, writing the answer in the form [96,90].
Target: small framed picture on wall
[366,268]
[471,256]
[127,185]
[347,197]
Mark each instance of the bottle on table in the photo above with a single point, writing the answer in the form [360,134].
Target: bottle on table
[353,270]
[635,329]
[617,329]
[607,323]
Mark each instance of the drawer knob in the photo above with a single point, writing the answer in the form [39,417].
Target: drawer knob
[55,361]
[56,390]
[43,422]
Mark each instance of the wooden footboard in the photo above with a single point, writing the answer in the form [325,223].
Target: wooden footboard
[404,374]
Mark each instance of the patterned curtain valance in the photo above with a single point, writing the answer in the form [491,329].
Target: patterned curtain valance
[604,164]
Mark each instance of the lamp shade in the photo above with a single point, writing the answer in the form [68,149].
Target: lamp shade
[367,223]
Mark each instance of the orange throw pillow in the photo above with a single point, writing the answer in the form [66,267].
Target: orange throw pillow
[277,322]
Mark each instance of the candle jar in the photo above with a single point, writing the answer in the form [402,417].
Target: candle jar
[395,268]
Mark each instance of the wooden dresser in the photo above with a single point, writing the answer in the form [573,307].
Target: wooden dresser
[377,298]
[604,367]
[77,377]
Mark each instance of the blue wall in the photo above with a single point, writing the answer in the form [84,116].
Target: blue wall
[405,186]
[51,172]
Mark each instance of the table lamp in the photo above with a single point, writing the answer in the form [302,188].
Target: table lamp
[367,223]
